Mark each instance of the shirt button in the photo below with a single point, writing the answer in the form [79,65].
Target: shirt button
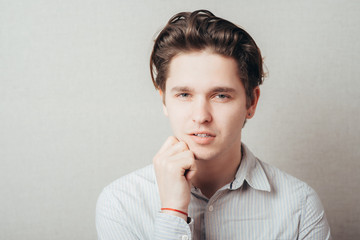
[184,237]
[211,208]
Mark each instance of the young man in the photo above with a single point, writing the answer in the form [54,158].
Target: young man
[204,182]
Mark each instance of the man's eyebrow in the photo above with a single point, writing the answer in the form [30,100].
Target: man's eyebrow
[180,89]
[223,89]
[215,89]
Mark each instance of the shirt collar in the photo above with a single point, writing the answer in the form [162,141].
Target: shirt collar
[251,171]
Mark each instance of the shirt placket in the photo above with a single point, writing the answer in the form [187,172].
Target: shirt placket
[211,216]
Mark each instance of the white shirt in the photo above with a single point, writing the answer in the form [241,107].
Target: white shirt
[262,202]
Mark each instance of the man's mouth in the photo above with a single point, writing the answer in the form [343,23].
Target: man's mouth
[202,135]
[202,138]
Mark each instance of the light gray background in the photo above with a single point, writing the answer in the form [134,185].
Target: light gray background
[78,109]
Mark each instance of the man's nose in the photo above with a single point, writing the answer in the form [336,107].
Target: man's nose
[201,112]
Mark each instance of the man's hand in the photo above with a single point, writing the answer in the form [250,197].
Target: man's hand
[174,167]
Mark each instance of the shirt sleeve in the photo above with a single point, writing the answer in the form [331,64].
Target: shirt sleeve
[314,224]
[172,227]
[114,222]
[111,220]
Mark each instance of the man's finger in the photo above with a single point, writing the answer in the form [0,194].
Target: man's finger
[185,161]
[176,148]
[170,141]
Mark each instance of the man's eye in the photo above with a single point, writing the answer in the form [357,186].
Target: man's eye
[222,96]
[183,95]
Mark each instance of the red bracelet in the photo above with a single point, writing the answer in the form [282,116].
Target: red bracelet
[175,210]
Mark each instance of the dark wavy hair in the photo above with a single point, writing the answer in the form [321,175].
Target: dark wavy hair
[201,30]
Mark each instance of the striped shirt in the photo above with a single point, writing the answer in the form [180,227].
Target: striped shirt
[262,202]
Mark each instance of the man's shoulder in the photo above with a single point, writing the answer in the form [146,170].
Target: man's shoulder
[297,196]
[137,188]
[139,178]
[133,186]
[275,173]
[285,184]
[268,177]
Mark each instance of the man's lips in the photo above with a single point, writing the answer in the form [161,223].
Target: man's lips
[202,138]
[203,134]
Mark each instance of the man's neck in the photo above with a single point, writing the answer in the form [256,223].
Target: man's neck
[214,174]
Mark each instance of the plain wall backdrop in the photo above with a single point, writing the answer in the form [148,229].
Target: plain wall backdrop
[78,109]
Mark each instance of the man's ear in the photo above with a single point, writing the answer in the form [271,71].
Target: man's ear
[163,102]
[252,108]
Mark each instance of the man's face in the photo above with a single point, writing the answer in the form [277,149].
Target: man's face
[206,103]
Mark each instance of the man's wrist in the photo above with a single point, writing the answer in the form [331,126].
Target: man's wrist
[175,212]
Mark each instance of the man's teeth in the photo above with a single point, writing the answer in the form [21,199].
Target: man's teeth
[202,135]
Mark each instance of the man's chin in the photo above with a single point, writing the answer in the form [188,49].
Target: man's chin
[203,156]
[201,152]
